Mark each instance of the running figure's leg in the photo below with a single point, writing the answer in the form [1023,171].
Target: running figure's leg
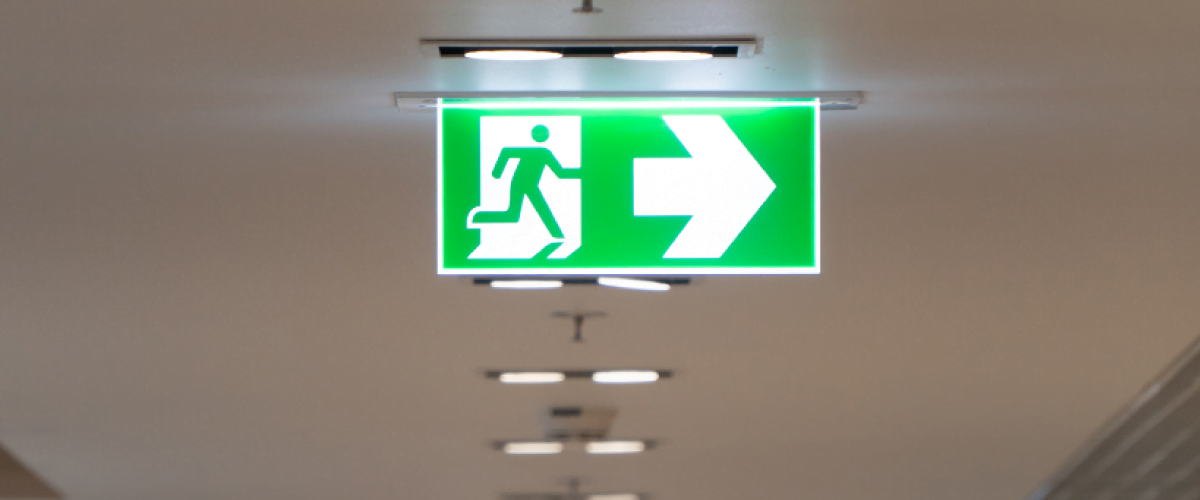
[512,214]
[539,203]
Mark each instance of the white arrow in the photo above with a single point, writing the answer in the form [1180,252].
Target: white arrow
[721,186]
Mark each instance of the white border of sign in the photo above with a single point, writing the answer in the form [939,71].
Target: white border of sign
[635,104]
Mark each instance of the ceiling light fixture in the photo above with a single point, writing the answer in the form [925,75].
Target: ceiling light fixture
[513,55]
[549,376]
[532,377]
[692,47]
[527,284]
[663,55]
[625,377]
[573,493]
[651,283]
[533,448]
[632,284]
[615,447]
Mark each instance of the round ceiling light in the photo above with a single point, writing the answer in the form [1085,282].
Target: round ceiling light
[663,55]
[513,55]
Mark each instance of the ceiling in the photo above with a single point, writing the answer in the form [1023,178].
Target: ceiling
[217,269]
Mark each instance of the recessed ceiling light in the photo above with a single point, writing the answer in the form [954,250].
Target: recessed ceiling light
[513,55]
[615,496]
[533,448]
[625,377]
[663,55]
[532,377]
[632,284]
[615,447]
[527,284]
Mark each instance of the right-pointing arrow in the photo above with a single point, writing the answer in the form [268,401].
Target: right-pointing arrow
[721,186]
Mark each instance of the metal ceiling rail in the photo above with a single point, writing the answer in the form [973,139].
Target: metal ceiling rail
[830,100]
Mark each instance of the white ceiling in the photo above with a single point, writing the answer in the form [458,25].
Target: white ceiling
[217,257]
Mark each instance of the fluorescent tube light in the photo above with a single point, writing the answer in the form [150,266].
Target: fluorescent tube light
[615,496]
[513,55]
[534,448]
[632,284]
[663,55]
[615,447]
[532,377]
[625,377]
[527,284]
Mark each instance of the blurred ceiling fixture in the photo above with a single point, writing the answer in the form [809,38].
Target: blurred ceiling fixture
[644,49]
[615,447]
[664,55]
[526,284]
[532,377]
[598,447]
[633,284]
[587,8]
[625,377]
[578,318]
[598,376]
[513,55]
[572,493]
[575,429]
[650,284]
[532,448]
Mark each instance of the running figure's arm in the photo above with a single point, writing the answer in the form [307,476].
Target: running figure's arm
[557,168]
[505,155]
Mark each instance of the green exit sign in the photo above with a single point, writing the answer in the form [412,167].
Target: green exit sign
[628,186]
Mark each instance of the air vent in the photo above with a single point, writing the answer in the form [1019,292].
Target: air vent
[1150,451]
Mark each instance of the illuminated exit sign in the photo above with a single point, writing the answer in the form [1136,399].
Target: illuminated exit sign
[628,186]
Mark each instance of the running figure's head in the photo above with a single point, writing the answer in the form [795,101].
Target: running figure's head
[540,133]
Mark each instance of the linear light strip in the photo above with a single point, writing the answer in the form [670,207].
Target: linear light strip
[602,447]
[615,447]
[527,284]
[513,55]
[632,284]
[656,281]
[661,271]
[533,448]
[663,55]
[534,104]
[549,376]
[625,377]
[532,377]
